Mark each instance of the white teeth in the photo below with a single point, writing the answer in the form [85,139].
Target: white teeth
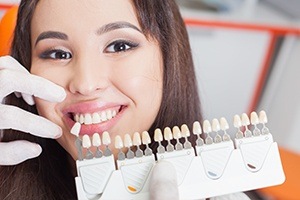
[137,139]
[245,119]
[237,122]
[197,128]
[75,130]
[127,141]
[263,117]
[176,132]
[118,142]
[95,118]
[168,134]
[158,137]
[96,140]
[106,138]
[254,118]
[185,130]
[215,125]
[146,138]
[206,126]
[224,124]
[86,141]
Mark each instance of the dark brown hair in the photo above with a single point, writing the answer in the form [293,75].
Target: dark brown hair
[49,175]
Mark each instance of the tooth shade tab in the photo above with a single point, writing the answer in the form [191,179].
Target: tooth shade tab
[254,118]
[197,128]
[185,130]
[86,142]
[168,134]
[137,139]
[158,137]
[146,138]
[118,142]
[263,117]
[127,141]
[245,119]
[96,140]
[215,125]
[237,122]
[224,124]
[75,130]
[206,126]
[106,138]
[176,132]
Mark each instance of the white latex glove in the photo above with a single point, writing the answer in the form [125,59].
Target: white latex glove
[163,182]
[15,78]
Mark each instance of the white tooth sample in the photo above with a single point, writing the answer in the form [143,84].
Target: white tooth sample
[263,117]
[76,117]
[96,140]
[137,139]
[96,118]
[106,138]
[118,142]
[146,138]
[185,130]
[75,130]
[237,122]
[158,137]
[86,142]
[103,116]
[197,128]
[206,126]
[127,141]
[168,134]
[88,118]
[224,124]
[108,114]
[176,132]
[254,118]
[81,119]
[215,125]
[245,119]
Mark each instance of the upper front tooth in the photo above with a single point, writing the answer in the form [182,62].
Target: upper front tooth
[88,119]
[103,116]
[96,118]
[81,119]
[108,114]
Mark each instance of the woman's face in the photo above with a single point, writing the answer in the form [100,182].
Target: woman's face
[111,72]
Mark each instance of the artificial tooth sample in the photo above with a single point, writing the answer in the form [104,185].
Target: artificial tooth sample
[186,133]
[146,141]
[177,136]
[254,121]
[263,120]
[137,142]
[128,144]
[75,130]
[197,131]
[158,137]
[224,126]
[245,123]
[106,141]
[168,137]
[86,143]
[216,128]
[207,130]
[96,143]
[119,146]
[237,123]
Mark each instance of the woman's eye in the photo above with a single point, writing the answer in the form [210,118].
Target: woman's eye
[119,46]
[56,55]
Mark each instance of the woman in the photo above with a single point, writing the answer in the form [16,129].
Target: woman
[130,58]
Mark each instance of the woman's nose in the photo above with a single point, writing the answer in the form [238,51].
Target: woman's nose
[88,78]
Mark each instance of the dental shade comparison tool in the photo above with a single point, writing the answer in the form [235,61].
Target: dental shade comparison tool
[217,165]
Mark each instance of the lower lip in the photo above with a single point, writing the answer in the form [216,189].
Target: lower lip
[90,129]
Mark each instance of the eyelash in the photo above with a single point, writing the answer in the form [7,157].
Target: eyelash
[51,54]
[128,46]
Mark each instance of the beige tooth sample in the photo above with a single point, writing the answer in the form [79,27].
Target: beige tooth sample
[197,131]
[207,129]
[158,137]
[86,142]
[245,123]
[137,142]
[75,130]
[216,128]
[119,145]
[128,144]
[96,143]
[237,123]
[186,133]
[177,136]
[168,136]
[224,126]
[254,121]
[106,141]
[146,140]
[263,119]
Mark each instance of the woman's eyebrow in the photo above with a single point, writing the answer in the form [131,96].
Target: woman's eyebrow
[116,25]
[51,34]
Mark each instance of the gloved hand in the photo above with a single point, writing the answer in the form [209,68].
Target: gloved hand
[15,78]
[163,182]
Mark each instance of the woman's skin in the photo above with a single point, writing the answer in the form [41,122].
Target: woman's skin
[96,51]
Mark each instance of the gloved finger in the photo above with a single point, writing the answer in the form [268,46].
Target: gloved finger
[15,152]
[8,62]
[11,81]
[12,117]
[163,181]
[28,99]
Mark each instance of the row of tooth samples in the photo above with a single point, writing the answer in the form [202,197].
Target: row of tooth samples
[255,120]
